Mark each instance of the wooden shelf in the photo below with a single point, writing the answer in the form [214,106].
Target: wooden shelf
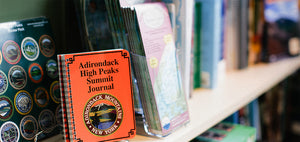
[208,107]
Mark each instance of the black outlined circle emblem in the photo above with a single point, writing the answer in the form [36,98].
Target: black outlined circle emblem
[17,77]
[55,92]
[3,82]
[28,127]
[52,69]
[58,116]
[30,49]
[36,73]
[46,44]
[47,121]
[41,97]
[103,114]
[9,132]
[23,102]
[11,52]
[6,108]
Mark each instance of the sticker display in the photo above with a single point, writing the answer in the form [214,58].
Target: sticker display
[47,121]
[28,127]
[30,49]
[9,132]
[11,52]
[55,92]
[41,97]
[58,116]
[35,73]
[6,108]
[47,47]
[52,68]
[17,77]
[23,102]
[3,82]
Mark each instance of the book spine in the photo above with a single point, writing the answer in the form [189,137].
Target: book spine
[63,100]
[211,42]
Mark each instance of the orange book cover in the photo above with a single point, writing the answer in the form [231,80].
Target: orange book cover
[97,96]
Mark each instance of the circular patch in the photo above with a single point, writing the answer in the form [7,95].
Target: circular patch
[23,102]
[46,121]
[35,73]
[6,108]
[55,92]
[41,97]
[9,132]
[47,47]
[30,49]
[11,52]
[17,77]
[103,114]
[51,68]
[59,114]
[28,127]
[3,82]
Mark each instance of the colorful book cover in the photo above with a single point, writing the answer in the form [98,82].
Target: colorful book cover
[280,34]
[97,96]
[227,132]
[29,92]
[160,54]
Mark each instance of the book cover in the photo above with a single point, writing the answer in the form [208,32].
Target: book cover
[280,33]
[97,95]
[29,91]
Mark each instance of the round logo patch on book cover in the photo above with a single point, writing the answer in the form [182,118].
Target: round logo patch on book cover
[11,52]
[9,132]
[36,73]
[17,77]
[47,45]
[3,82]
[55,92]
[28,127]
[23,102]
[6,108]
[103,114]
[52,69]
[47,121]
[41,97]
[30,49]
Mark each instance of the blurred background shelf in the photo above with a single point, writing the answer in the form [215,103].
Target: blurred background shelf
[208,107]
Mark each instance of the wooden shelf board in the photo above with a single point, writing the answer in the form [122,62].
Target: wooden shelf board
[208,107]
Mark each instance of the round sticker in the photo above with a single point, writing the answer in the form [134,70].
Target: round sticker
[23,102]
[55,92]
[41,97]
[17,77]
[46,121]
[28,127]
[47,47]
[11,52]
[153,17]
[30,49]
[51,68]
[3,82]
[103,114]
[6,108]
[59,114]
[9,132]
[35,73]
